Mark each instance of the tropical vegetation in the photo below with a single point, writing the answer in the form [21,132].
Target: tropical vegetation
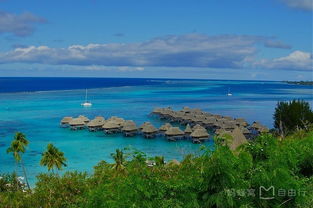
[268,171]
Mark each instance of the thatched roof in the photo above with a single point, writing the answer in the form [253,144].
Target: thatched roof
[117,120]
[196,111]
[167,111]
[263,129]
[188,129]
[174,131]
[217,116]
[240,120]
[209,120]
[179,115]
[144,124]
[188,117]
[149,129]
[111,125]
[197,126]
[165,127]
[186,109]
[198,118]
[95,123]
[83,118]
[129,126]
[230,125]
[100,118]
[66,120]
[200,133]
[77,122]
[221,131]
[157,110]
[238,139]
[228,118]
[220,124]
[256,125]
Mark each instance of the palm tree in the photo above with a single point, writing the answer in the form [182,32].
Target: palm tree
[18,146]
[53,158]
[119,160]
[159,160]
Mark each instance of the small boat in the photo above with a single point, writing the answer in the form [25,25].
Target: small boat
[229,94]
[86,103]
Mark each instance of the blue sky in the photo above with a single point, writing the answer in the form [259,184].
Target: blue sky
[212,39]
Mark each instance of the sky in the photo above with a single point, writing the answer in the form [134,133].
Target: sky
[205,39]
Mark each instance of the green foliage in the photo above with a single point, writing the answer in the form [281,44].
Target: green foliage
[60,191]
[18,146]
[119,160]
[292,115]
[212,178]
[10,183]
[53,158]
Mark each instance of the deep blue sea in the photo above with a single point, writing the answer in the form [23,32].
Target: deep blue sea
[35,107]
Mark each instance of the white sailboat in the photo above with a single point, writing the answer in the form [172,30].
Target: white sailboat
[229,94]
[86,103]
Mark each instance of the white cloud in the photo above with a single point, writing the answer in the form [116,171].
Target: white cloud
[190,50]
[19,25]
[297,60]
[299,4]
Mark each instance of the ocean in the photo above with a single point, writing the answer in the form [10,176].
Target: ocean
[35,107]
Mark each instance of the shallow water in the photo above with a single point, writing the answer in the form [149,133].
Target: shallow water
[37,114]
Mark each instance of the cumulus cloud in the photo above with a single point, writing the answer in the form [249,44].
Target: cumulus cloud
[297,60]
[190,50]
[19,25]
[299,4]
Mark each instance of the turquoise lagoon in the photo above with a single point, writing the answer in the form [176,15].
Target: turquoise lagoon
[38,113]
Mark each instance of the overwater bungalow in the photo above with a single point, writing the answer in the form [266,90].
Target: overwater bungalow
[65,121]
[95,124]
[174,133]
[241,122]
[221,132]
[77,123]
[129,128]
[198,119]
[218,116]
[228,118]
[144,124]
[187,119]
[188,131]
[197,126]
[149,131]
[199,134]
[209,122]
[100,118]
[111,127]
[117,120]
[245,132]
[229,125]
[84,119]
[186,109]
[259,128]
[157,111]
[263,129]
[164,128]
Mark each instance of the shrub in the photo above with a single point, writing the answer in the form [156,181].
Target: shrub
[292,115]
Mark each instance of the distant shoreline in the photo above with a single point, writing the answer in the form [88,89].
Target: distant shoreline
[300,82]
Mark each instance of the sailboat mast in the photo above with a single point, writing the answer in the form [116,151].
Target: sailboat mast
[86,96]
